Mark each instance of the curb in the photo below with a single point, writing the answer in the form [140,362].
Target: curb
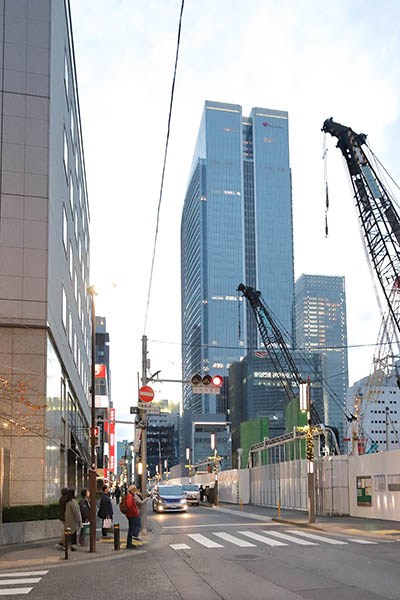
[297,524]
[243,514]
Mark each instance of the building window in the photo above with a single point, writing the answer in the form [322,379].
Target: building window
[66,169]
[66,76]
[64,308]
[71,192]
[71,261]
[65,230]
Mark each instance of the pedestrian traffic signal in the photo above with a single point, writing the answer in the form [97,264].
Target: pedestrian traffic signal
[207,384]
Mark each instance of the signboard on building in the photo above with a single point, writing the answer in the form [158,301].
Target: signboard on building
[112,440]
[101,401]
[100,371]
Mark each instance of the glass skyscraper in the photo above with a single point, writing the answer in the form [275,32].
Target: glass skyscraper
[320,317]
[236,227]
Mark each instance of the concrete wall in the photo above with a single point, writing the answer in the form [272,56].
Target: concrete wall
[385,503]
[29,531]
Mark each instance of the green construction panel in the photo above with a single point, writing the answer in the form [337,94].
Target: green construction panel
[252,432]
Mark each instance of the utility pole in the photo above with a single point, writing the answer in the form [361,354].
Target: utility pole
[310,459]
[92,471]
[143,418]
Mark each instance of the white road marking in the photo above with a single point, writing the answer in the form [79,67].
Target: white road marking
[15,591]
[24,574]
[180,546]
[201,539]
[220,525]
[16,581]
[360,541]
[234,540]
[290,538]
[261,538]
[319,538]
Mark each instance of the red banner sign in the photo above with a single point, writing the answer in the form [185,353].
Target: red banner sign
[112,441]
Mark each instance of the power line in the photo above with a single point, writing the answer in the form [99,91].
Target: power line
[163,169]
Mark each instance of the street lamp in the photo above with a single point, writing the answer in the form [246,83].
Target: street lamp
[189,465]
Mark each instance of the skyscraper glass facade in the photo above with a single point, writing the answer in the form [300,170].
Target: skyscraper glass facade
[236,227]
[320,318]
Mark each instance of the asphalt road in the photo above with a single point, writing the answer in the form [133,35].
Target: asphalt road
[209,554]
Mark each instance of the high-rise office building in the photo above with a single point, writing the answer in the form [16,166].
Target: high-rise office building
[45,326]
[236,227]
[255,390]
[320,320]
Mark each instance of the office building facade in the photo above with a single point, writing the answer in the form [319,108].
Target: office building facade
[162,442]
[255,390]
[236,228]
[103,397]
[321,324]
[45,326]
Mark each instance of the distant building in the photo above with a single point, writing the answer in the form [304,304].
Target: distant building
[197,430]
[45,324]
[236,228]
[255,391]
[381,421]
[321,324]
[162,441]
[103,394]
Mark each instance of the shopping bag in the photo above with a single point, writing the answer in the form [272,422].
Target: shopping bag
[107,524]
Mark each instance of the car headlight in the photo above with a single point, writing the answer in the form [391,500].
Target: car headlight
[183,501]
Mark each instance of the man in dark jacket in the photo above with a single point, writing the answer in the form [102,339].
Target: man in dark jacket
[105,508]
[62,504]
[117,493]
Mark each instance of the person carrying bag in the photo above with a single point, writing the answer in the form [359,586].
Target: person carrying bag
[105,511]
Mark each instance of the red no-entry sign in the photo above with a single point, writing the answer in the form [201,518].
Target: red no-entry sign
[146,393]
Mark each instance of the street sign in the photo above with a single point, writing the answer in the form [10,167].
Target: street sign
[146,393]
[148,408]
[204,389]
[133,410]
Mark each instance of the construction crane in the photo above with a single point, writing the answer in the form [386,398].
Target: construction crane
[377,210]
[380,225]
[276,346]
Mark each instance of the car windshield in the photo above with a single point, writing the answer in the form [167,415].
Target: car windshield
[170,490]
[191,488]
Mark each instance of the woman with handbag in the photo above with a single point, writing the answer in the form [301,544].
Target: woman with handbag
[73,518]
[84,505]
[105,511]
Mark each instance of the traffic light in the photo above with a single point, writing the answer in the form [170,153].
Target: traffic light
[96,435]
[207,384]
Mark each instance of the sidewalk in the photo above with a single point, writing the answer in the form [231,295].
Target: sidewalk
[355,525]
[47,553]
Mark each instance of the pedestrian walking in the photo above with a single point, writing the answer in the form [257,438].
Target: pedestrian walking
[141,504]
[73,518]
[84,506]
[117,493]
[62,503]
[202,493]
[105,509]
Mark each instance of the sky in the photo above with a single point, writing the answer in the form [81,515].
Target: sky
[313,58]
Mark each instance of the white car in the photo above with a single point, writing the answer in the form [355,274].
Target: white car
[169,497]
[192,493]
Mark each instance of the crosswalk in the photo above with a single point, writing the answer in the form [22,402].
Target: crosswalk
[268,537]
[19,584]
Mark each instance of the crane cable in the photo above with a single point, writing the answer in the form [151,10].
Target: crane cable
[163,169]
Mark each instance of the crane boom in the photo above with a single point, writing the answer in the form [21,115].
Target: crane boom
[379,217]
[275,344]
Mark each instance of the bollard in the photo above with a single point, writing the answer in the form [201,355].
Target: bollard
[241,505]
[279,508]
[117,545]
[67,538]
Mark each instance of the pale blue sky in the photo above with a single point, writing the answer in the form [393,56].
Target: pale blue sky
[315,59]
